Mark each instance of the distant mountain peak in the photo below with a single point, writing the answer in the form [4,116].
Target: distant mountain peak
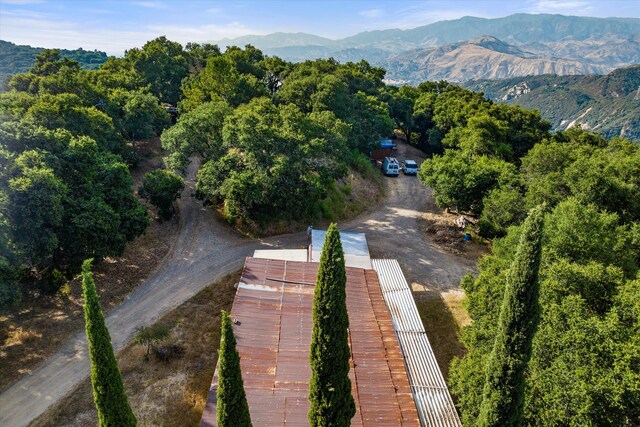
[496,45]
[485,57]
[278,40]
[485,39]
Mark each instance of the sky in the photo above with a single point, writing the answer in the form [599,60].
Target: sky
[116,25]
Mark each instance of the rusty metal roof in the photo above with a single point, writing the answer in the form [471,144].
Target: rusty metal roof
[431,394]
[273,309]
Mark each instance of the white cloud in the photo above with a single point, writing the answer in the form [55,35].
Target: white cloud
[23,1]
[372,13]
[52,32]
[151,4]
[555,6]
[204,32]
[97,11]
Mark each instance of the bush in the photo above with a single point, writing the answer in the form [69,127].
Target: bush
[52,281]
[362,164]
[9,294]
[150,336]
[162,188]
[502,207]
[488,230]
[168,352]
[332,205]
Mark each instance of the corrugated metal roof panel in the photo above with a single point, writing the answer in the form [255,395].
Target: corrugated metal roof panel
[273,306]
[435,406]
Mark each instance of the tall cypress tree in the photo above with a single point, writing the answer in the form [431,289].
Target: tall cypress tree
[332,403]
[232,409]
[108,390]
[503,396]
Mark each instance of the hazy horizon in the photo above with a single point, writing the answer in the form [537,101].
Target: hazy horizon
[116,25]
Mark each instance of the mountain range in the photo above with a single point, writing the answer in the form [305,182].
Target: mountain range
[474,48]
[481,58]
[459,50]
[562,66]
[609,104]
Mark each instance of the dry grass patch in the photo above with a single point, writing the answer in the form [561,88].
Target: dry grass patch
[171,393]
[454,300]
[443,316]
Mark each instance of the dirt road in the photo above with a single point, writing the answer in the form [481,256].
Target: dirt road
[207,249]
[393,231]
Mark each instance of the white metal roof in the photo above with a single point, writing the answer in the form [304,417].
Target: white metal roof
[430,391]
[282,254]
[354,246]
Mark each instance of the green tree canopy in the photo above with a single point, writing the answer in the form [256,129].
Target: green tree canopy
[275,161]
[163,64]
[197,132]
[232,409]
[330,397]
[108,391]
[588,325]
[234,77]
[162,188]
[503,393]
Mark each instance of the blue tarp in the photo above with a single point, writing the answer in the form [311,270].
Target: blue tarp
[386,143]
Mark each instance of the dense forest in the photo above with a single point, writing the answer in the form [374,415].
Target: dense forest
[274,137]
[16,59]
[584,366]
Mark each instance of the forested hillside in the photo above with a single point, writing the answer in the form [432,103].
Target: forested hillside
[20,58]
[608,104]
[583,368]
[276,141]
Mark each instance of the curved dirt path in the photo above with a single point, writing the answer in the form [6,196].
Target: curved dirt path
[205,250]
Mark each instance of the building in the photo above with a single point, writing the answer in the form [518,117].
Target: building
[396,380]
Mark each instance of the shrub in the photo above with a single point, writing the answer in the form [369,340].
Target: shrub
[149,336]
[162,188]
[9,293]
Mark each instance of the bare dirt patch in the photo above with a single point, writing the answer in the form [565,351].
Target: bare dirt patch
[441,226]
[41,323]
[150,155]
[163,393]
